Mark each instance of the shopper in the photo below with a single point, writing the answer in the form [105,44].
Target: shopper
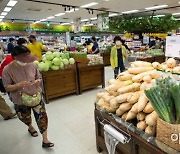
[22,79]
[10,45]
[118,55]
[1,53]
[158,43]
[4,44]
[73,46]
[35,47]
[152,43]
[22,41]
[95,47]
[5,110]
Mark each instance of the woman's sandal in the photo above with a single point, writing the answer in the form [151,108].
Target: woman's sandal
[47,145]
[33,134]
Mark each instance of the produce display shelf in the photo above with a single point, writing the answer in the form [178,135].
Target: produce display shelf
[90,76]
[139,143]
[60,83]
[106,58]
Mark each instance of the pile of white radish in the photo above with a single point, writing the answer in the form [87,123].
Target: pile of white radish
[169,66]
[125,96]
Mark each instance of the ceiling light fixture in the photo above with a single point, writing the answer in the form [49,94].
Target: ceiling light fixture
[113,14]
[174,14]
[83,20]
[89,5]
[156,7]
[4,13]
[72,10]
[59,14]
[129,12]
[65,24]
[1,17]
[7,9]
[42,20]
[51,17]
[95,18]
[12,3]
[161,15]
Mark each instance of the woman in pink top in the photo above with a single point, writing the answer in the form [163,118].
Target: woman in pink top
[23,76]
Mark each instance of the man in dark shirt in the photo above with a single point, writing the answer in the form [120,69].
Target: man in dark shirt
[95,48]
[10,45]
[152,43]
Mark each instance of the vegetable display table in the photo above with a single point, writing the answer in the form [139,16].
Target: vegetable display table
[139,143]
[90,76]
[106,58]
[160,59]
[60,83]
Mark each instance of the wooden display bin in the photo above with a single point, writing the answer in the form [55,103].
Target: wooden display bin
[140,143]
[60,83]
[160,59]
[106,58]
[90,76]
[151,59]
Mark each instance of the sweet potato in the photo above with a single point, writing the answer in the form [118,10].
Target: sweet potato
[141,125]
[151,119]
[142,102]
[141,116]
[125,107]
[138,70]
[149,108]
[134,97]
[130,88]
[130,116]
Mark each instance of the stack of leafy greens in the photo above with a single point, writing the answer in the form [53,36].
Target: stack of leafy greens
[165,98]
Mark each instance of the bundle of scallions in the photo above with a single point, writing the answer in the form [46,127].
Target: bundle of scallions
[165,98]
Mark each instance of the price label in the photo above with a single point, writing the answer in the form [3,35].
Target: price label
[173,46]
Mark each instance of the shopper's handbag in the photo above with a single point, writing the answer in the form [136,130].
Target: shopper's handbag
[28,100]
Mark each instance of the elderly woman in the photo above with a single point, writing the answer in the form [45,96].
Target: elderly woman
[22,79]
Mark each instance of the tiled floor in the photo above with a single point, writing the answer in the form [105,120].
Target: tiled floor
[71,127]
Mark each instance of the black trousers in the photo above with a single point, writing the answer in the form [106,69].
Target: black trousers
[2,89]
[120,68]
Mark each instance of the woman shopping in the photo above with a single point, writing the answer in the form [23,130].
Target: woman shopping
[22,79]
[118,55]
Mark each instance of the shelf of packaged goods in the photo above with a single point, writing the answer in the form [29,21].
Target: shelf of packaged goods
[90,76]
[60,83]
[140,143]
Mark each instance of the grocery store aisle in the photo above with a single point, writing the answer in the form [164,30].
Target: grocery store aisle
[71,127]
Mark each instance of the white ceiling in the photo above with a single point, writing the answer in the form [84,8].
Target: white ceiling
[35,11]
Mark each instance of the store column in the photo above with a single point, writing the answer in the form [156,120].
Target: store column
[77,25]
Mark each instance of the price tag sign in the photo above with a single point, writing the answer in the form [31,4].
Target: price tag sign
[173,46]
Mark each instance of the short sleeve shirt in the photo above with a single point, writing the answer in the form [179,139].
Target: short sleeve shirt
[14,73]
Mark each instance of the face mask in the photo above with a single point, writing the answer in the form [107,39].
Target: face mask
[25,44]
[118,43]
[21,63]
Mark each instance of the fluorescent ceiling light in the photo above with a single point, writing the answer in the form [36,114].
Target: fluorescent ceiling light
[174,14]
[4,13]
[1,17]
[83,20]
[95,18]
[161,15]
[89,25]
[7,9]
[51,17]
[72,22]
[128,12]
[113,14]
[37,22]
[59,14]
[11,3]
[89,5]
[43,20]
[65,24]
[156,7]
[72,10]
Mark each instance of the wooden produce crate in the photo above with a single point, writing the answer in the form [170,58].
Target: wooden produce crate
[160,59]
[60,83]
[106,58]
[90,76]
[140,143]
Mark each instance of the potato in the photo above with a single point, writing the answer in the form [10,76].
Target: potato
[124,76]
[151,119]
[139,70]
[123,98]
[130,88]
[141,125]
[141,116]
[149,108]
[139,77]
[134,97]
[125,107]
[150,130]
[130,116]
